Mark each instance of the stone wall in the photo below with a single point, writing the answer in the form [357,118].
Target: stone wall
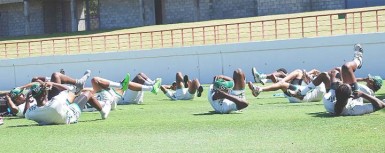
[133,13]
[12,19]
[36,20]
[120,14]
[319,5]
[176,11]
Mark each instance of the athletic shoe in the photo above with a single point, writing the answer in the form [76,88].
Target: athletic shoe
[358,54]
[105,110]
[185,80]
[255,90]
[200,90]
[88,108]
[295,93]
[82,81]
[1,120]
[156,86]
[125,82]
[257,76]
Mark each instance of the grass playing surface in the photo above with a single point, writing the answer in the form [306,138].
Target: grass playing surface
[269,124]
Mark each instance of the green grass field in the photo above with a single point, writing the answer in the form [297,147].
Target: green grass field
[269,124]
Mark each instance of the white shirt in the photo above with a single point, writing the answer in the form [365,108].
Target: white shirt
[21,107]
[353,106]
[221,105]
[55,111]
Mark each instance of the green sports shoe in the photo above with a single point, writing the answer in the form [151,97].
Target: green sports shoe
[156,86]
[125,82]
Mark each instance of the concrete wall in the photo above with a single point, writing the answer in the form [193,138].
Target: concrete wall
[126,13]
[176,11]
[204,62]
[12,20]
[134,13]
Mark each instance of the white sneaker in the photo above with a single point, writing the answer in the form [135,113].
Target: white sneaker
[264,81]
[358,54]
[255,90]
[82,81]
[257,76]
[105,110]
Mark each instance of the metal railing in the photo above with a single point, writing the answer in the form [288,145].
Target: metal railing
[347,22]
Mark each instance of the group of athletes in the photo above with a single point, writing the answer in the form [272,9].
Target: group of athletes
[60,99]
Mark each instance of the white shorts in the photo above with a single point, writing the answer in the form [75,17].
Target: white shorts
[76,111]
[239,93]
[132,97]
[314,95]
[110,96]
[180,94]
[225,106]
[353,107]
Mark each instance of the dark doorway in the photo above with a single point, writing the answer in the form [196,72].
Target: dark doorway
[50,16]
[158,11]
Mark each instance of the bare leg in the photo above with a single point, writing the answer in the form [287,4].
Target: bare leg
[87,96]
[193,86]
[163,88]
[296,74]
[239,80]
[179,80]
[38,78]
[348,72]
[62,79]
[272,77]
[277,86]
[322,78]
[140,78]
[275,75]
[99,83]
[135,86]
[93,101]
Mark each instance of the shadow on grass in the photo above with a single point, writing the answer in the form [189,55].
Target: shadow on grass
[12,118]
[215,113]
[21,126]
[321,114]
[90,120]
[207,113]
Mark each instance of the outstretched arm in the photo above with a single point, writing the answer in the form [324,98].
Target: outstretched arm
[226,78]
[241,104]
[11,104]
[57,85]
[27,103]
[377,103]
[362,79]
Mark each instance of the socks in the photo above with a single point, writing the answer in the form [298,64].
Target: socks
[309,87]
[263,76]
[114,84]
[357,61]
[147,88]
[83,79]
[149,82]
